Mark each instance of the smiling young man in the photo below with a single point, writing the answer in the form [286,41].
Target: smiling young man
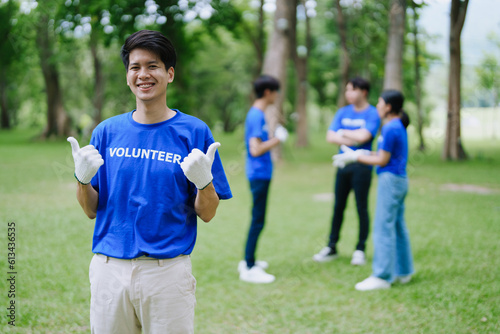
[355,126]
[146,179]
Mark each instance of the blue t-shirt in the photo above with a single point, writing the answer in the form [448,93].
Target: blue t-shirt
[394,139]
[261,167]
[349,119]
[146,203]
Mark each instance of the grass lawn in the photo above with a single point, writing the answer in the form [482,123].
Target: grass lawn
[454,234]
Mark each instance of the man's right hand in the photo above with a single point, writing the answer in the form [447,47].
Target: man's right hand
[87,161]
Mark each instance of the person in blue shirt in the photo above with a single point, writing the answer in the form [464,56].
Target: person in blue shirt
[259,170]
[392,260]
[355,126]
[145,178]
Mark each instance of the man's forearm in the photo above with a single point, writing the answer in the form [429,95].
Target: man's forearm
[333,137]
[258,148]
[360,136]
[88,198]
[206,203]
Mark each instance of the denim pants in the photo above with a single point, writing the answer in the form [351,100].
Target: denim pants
[392,257]
[260,190]
[358,177]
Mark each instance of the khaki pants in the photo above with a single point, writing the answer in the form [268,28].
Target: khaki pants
[144,294]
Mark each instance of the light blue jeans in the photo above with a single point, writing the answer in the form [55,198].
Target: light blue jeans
[392,257]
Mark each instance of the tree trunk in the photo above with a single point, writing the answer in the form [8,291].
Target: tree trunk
[393,76]
[58,122]
[418,88]
[5,123]
[344,56]
[453,149]
[259,45]
[275,62]
[98,99]
[302,83]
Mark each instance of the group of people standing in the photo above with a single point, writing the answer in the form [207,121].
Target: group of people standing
[353,128]
[148,174]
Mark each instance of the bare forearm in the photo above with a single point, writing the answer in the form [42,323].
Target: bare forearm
[88,198]
[206,203]
[380,158]
[333,137]
[258,148]
[360,136]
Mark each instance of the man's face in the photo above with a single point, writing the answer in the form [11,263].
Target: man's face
[273,95]
[354,95]
[147,76]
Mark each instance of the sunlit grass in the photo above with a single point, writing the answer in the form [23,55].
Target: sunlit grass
[454,237]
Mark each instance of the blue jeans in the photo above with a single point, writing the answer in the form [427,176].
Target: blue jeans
[260,190]
[392,257]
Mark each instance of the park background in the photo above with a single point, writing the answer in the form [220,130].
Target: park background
[61,74]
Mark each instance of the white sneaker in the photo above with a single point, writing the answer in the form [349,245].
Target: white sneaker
[325,255]
[256,275]
[372,283]
[243,265]
[358,258]
[403,279]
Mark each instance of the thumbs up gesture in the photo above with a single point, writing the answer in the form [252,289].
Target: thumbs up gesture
[87,161]
[197,166]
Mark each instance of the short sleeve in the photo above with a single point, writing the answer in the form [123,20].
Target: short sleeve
[96,142]
[254,126]
[335,125]
[373,122]
[389,140]
[220,182]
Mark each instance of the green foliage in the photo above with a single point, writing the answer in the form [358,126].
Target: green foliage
[367,25]
[217,56]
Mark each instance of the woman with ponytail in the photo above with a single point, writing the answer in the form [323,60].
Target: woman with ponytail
[392,260]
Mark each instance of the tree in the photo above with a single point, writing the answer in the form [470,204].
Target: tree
[7,56]
[488,72]
[393,77]
[418,83]
[453,147]
[58,122]
[276,59]
[301,67]
[344,55]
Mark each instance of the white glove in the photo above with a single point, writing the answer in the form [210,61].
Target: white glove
[281,133]
[198,167]
[349,156]
[87,161]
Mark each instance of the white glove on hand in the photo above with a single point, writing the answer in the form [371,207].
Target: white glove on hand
[281,133]
[87,161]
[349,156]
[198,167]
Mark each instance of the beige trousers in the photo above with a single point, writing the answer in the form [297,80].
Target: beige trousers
[144,294]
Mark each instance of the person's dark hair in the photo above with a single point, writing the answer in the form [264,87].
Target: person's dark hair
[405,119]
[360,83]
[152,41]
[265,82]
[396,99]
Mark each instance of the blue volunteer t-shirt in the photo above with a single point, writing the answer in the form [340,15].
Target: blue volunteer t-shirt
[261,167]
[146,203]
[394,139]
[349,119]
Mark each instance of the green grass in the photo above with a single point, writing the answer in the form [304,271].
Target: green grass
[454,238]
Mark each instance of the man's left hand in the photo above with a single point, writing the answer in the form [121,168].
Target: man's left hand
[197,166]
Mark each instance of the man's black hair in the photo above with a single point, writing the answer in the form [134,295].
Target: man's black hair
[152,41]
[265,82]
[360,83]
